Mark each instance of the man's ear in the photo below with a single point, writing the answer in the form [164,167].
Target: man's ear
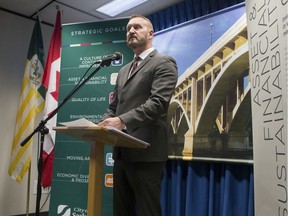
[151,34]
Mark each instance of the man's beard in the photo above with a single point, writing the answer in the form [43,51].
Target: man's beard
[136,43]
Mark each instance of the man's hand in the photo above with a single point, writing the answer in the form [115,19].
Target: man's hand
[115,122]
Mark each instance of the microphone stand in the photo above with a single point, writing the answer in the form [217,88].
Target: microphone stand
[43,130]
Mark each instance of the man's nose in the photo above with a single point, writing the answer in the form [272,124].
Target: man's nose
[131,30]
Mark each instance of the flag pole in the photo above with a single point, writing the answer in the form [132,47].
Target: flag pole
[43,131]
[28,190]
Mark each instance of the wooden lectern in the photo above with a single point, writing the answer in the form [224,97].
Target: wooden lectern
[98,137]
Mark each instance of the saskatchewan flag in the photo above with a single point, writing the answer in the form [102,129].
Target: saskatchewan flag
[30,105]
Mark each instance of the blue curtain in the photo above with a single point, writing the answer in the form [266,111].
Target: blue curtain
[188,10]
[198,188]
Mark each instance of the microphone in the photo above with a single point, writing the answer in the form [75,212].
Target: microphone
[108,59]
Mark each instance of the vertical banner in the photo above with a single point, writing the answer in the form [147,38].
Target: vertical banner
[82,45]
[267,23]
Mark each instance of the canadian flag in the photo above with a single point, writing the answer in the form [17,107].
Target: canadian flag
[50,81]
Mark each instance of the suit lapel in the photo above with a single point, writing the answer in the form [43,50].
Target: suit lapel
[142,64]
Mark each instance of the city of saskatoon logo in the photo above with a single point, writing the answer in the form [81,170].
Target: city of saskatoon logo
[64,210]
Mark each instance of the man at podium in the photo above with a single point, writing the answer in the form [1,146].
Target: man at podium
[139,106]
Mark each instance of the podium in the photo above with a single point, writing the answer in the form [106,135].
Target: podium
[98,137]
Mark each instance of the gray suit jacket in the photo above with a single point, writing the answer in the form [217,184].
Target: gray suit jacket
[142,102]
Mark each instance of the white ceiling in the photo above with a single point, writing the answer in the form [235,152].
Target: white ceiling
[76,10]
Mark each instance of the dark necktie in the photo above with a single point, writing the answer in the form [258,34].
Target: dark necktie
[134,66]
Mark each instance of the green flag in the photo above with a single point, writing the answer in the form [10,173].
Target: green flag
[30,105]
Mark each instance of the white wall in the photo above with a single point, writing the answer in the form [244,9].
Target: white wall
[15,35]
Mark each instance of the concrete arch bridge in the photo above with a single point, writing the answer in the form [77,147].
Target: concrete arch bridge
[210,111]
